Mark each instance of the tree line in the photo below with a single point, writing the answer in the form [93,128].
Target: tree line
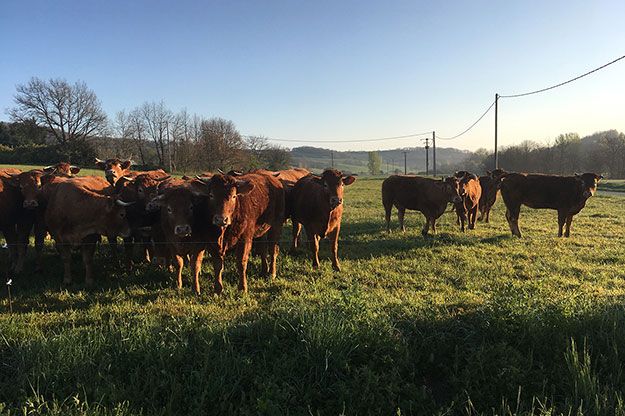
[53,120]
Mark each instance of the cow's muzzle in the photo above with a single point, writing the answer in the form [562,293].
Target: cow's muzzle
[221,221]
[457,200]
[30,204]
[182,230]
[335,201]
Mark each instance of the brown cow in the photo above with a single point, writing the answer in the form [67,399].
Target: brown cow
[317,204]
[490,187]
[427,195]
[77,216]
[244,208]
[566,194]
[62,169]
[470,191]
[184,227]
[10,209]
[114,168]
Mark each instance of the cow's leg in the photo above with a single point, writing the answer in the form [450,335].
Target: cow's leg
[512,215]
[243,254]
[273,236]
[481,212]
[196,266]
[23,234]
[462,217]
[401,212]
[472,217]
[87,249]
[129,250]
[112,240]
[433,225]
[65,250]
[561,221]
[297,229]
[426,226]
[40,237]
[387,216]
[334,246]
[487,219]
[218,267]
[179,266]
[313,241]
[569,220]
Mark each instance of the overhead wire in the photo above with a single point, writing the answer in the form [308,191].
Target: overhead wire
[562,83]
[346,141]
[470,127]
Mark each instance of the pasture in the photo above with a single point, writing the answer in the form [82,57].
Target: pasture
[474,323]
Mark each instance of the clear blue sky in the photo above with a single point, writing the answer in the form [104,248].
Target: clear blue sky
[324,70]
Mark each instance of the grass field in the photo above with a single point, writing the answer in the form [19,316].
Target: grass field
[475,323]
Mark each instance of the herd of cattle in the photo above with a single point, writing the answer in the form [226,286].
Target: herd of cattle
[174,220]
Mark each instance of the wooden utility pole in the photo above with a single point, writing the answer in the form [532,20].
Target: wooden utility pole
[434,152]
[496,154]
[405,165]
[427,156]
[332,156]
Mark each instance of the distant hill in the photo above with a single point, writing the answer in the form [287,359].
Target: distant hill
[316,158]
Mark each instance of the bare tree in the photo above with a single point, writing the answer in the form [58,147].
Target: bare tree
[221,144]
[70,112]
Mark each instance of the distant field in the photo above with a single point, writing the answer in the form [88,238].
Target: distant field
[614,185]
[474,323]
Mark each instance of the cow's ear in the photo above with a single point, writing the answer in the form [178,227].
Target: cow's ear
[13,180]
[100,163]
[577,175]
[49,169]
[348,180]
[74,170]
[244,187]
[126,164]
[199,188]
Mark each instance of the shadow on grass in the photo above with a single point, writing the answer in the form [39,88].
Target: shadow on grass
[331,357]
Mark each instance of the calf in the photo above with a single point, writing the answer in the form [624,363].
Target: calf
[317,204]
[77,216]
[427,195]
[244,208]
[185,226]
[490,187]
[470,191]
[566,194]
[114,168]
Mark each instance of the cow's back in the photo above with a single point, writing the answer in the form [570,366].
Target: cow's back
[540,191]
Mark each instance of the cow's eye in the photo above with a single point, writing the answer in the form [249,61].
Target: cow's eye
[234,196]
[122,214]
[210,196]
[140,191]
[190,207]
[169,210]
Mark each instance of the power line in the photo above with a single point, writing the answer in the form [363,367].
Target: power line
[562,83]
[345,141]
[468,128]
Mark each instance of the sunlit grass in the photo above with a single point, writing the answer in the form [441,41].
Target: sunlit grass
[457,323]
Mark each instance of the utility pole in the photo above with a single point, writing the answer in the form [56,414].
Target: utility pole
[434,152]
[405,165]
[427,156]
[332,156]
[393,164]
[168,145]
[496,154]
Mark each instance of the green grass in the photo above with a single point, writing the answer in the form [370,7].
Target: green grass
[475,323]
[613,185]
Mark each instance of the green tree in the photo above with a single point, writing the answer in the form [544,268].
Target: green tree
[374,163]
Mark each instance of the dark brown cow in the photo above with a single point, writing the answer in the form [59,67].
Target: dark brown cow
[77,216]
[10,208]
[427,195]
[490,187]
[566,194]
[185,226]
[114,168]
[470,191]
[244,208]
[317,204]
[140,189]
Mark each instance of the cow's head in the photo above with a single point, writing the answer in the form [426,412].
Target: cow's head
[223,191]
[115,217]
[142,188]
[453,189]
[333,182]
[497,174]
[114,168]
[588,183]
[29,184]
[177,205]
[62,169]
